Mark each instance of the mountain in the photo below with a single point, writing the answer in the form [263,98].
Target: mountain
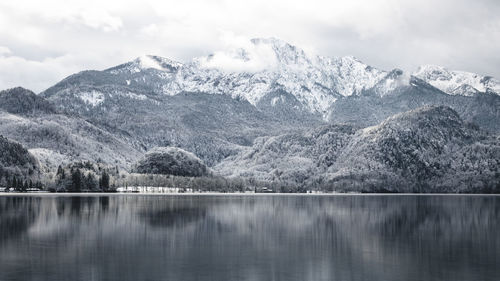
[283,81]
[369,109]
[128,101]
[458,82]
[430,149]
[57,138]
[215,110]
[269,111]
[314,81]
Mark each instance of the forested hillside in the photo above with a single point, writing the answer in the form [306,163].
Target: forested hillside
[17,165]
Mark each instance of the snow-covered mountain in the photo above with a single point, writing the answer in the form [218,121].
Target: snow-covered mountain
[265,66]
[55,138]
[216,105]
[264,72]
[270,65]
[458,82]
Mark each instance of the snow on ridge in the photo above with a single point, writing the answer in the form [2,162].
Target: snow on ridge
[315,81]
[261,66]
[148,61]
[455,82]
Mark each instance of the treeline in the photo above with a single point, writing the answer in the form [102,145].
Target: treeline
[22,185]
[197,184]
[82,177]
[205,183]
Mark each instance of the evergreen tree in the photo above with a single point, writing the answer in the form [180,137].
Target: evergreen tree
[76,181]
[38,185]
[60,172]
[15,184]
[90,182]
[104,181]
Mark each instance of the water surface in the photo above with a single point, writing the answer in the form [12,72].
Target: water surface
[275,237]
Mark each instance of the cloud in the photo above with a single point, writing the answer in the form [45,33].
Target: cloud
[4,51]
[240,55]
[98,19]
[59,37]
[93,14]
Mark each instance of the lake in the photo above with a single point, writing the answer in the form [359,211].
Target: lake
[249,237]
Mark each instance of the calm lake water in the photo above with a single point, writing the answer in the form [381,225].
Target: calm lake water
[275,237]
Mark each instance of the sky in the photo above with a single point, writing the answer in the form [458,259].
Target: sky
[41,42]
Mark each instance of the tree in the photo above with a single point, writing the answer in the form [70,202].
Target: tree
[15,184]
[76,181]
[104,181]
[90,182]
[60,173]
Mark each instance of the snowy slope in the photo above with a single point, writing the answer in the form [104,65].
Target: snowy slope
[266,66]
[263,72]
[458,82]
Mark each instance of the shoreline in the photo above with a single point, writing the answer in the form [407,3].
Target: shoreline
[229,194]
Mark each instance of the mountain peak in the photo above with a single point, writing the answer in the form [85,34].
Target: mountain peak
[285,52]
[156,62]
[147,62]
[269,40]
[455,82]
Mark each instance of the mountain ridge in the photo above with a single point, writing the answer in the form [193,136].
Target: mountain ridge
[266,109]
[316,82]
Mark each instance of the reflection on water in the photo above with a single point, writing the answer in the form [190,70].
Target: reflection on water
[134,237]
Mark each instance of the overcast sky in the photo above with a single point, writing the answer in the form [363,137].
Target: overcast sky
[42,42]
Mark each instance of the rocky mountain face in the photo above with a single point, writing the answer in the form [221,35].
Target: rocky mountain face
[266,109]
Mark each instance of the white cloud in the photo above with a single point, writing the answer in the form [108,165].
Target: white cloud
[4,51]
[240,55]
[91,13]
[99,19]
